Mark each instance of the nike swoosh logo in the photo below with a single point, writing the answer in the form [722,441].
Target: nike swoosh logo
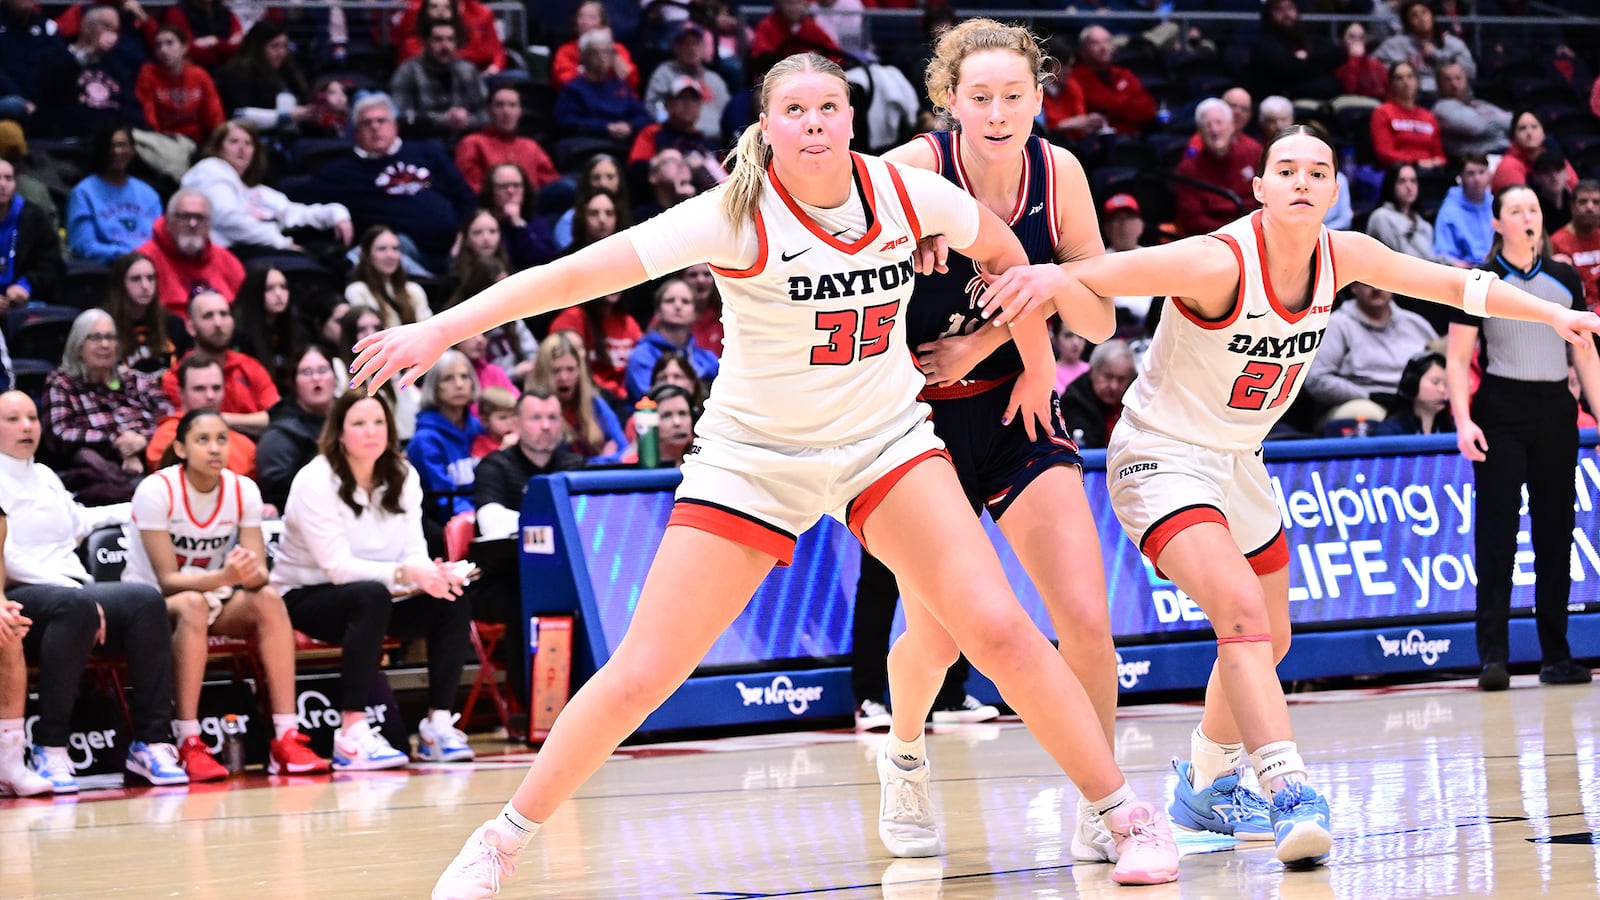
[1246,315]
[788,256]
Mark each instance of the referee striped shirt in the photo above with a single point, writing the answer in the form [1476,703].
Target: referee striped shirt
[1527,351]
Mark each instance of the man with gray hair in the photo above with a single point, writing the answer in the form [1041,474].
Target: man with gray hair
[1227,161]
[599,104]
[1092,403]
[186,260]
[1111,90]
[1276,114]
[1467,124]
[411,186]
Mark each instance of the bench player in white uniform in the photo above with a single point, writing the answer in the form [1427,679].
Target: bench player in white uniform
[196,535]
[1186,476]
[814,413]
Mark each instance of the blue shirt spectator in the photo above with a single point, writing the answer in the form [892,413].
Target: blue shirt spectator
[671,332]
[1464,228]
[110,212]
[441,448]
[599,104]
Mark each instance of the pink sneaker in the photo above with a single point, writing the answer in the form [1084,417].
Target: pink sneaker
[1146,852]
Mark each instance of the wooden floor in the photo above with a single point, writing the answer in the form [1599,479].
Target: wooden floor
[1436,790]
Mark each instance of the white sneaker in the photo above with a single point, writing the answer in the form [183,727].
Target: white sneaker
[55,766]
[906,823]
[157,764]
[1091,839]
[362,747]
[488,859]
[970,711]
[16,777]
[872,716]
[446,744]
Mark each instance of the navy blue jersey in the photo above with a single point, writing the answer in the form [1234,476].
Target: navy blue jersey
[946,305]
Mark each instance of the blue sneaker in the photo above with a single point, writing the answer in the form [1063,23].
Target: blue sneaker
[157,764]
[54,766]
[1300,825]
[1226,807]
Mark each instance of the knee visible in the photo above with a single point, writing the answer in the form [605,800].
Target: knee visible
[189,609]
[933,646]
[636,689]
[1281,637]
[369,598]
[997,636]
[269,608]
[1241,610]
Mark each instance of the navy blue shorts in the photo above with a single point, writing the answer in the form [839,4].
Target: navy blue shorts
[996,462]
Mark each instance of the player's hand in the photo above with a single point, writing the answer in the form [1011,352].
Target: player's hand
[1471,442]
[1030,398]
[948,360]
[13,624]
[240,565]
[931,254]
[408,349]
[1019,291]
[1576,327]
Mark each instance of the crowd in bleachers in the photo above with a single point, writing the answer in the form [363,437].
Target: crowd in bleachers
[204,205]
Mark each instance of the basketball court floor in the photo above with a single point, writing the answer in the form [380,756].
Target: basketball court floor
[1437,791]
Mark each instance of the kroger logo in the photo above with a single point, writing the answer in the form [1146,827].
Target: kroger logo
[780,692]
[1129,673]
[1415,644]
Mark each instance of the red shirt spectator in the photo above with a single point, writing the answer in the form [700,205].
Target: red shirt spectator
[246,384]
[1579,241]
[789,29]
[608,364]
[178,97]
[1527,145]
[480,46]
[1065,111]
[1406,135]
[212,30]
[1227,160]
[1112,91]
[499,143]
[179,273]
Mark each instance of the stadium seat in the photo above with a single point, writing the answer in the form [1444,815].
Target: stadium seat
[39,332]
[485,636]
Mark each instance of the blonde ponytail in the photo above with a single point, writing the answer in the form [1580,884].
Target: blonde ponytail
[741,194]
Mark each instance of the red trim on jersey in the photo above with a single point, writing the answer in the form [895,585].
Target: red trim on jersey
[1271,558]
[761,254]
[1050,194]
[1022,191]
[938,152]
[1292,318]
[222,497]
[866,503]
[963,389]
[905,200]
[860,243]
[1238,299]
[723,523]
[1333,264]
[1159,536]
[172,499]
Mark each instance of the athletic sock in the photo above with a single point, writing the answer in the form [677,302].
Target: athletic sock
[1210,760]
[907,754]
[1277,764]
[185,728]
[1113,800]
[9,726]
[282,724]
[518,825]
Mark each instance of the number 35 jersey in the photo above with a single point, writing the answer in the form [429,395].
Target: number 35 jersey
[1225,383]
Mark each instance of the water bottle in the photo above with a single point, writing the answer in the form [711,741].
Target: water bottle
[646,419]
[232,744]
[1363,429]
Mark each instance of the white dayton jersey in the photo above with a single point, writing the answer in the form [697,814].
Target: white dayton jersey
[203,527]
[1225,383]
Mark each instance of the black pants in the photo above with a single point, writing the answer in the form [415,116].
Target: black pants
[497,597]
[356,616]
[1531,429]
[876,595]
[62,637]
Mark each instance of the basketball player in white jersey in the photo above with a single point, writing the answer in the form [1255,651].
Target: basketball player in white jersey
[1248,306]
[196,535]
[814,413]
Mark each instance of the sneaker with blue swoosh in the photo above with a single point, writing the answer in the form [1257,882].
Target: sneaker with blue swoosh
[1226,806]
[1300,826]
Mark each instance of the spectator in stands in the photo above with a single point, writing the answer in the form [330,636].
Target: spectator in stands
[148,335]
[1276,114]
[1227,161]
[200,389]
[30,252]
[1528,143]
[672,368]
[186,258]
[32,57]
[17,778]
[708,303]
[1244,118]
[439,93]
[95,91]
[599,104]
[265,326]
[1092,404]
[478,240]
[497,491]
[71,612]
[1467,124]
[487,372]
[478,37]
[688,60]
[1397,223]
[1364,350]
[178,97]
[1402,131]
[205,552]
[1425,46]
[1069,347]
[136,29]
[99,414]
[213,31]
[507,352]
[1548,179]
[670,184]
[262,83]
[290,442]
[1288,58]
[1110,90]
[1464,226]
[248,389]
[441,448]
[1361,74]
[329,114]
[411,187]
[380,282]
[679,132]
[499,143]
[525,235]
[562,368]
[789,29]
[1421,403]
[247,217]
[676,415]
[1123,225]
[671,331]
[1065,112]
[601,172]
[353,566]
[590,16]
[1578,244]
[14,150]
[604,326]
